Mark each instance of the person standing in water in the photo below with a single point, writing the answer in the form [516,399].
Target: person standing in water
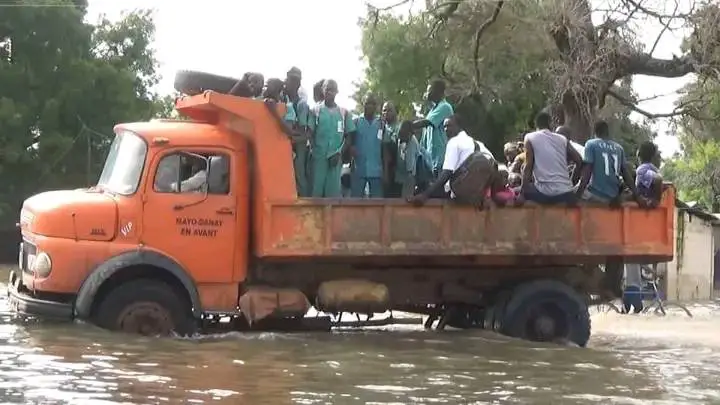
[330,125]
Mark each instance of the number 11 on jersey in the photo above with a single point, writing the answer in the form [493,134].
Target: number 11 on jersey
[615,164]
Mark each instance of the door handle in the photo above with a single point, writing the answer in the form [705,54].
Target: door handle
[225,211]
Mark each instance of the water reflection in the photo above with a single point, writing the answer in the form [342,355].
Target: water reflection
[630,360]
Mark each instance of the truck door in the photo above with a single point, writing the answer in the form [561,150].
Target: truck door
[190,212]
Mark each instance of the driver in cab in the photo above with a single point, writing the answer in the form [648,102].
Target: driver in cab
[197,182]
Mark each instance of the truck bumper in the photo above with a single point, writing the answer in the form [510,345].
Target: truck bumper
[23,303]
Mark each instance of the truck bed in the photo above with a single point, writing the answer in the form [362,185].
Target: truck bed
[384,227]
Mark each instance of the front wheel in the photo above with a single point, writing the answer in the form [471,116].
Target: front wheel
[547,311]
[145,307]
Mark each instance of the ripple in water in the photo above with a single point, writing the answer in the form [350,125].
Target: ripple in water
[630,360]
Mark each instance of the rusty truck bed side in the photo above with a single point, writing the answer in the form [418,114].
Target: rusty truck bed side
[394,228]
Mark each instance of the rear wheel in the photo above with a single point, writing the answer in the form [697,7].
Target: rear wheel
[145,307]
[547,311]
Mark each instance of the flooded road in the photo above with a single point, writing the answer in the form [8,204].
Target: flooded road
[630,360]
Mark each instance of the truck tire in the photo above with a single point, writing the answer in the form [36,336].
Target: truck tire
[547,311]
[191,82]
[145,307]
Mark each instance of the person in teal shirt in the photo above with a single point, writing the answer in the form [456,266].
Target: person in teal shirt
[367,166]
[433,137]
[604,166]
[330,125]
[299,110]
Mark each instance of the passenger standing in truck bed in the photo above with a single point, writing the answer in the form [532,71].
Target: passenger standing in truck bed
[408,152]
[301,146]
[545,176]
[434,139]
[331,125]
[391,126]
[367,167]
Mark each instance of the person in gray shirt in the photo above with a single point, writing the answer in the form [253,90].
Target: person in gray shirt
[545,177]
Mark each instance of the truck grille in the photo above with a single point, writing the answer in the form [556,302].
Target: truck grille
[28,249]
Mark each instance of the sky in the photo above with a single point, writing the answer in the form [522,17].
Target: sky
[230,37]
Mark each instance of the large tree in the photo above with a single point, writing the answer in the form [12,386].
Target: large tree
[586,52]
[64,85]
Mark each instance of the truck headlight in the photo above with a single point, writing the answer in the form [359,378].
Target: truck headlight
[42,265]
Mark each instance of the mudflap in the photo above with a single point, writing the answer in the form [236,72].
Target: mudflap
[258,303]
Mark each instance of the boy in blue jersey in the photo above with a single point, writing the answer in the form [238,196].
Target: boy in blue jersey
[603,165]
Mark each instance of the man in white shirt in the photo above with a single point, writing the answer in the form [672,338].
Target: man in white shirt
[459,147]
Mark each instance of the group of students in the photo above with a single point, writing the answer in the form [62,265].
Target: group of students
[548,168]
[434,157]
[386,156]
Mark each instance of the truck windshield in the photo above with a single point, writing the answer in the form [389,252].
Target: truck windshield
[124,164]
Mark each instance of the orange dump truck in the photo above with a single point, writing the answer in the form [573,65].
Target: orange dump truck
[194,221]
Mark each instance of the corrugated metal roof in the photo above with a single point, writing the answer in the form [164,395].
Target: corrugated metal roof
[697,210]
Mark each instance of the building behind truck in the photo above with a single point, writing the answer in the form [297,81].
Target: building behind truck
[139,254]
[692,274]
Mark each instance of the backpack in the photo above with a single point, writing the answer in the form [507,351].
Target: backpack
[472,178]
[316,112]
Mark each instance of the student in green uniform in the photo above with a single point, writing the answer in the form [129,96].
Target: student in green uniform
[434,138]
[330,126]
[301,146]
[391,125]
[408,151]
[291,122]
[367,165]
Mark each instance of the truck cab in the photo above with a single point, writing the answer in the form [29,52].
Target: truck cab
[196,220]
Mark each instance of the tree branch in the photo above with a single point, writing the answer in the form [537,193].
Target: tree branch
[666,25]
[440,18]
[637,5]
[387,8]
[645,64]
[681,109]
[478,36]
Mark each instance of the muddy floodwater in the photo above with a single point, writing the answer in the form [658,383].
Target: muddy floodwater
[630,360]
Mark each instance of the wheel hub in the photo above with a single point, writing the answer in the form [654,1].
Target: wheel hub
[545,328]
[146,318]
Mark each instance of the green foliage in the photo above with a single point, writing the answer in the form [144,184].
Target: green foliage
[400,60]
[404,53]
[697,174]
[65,85]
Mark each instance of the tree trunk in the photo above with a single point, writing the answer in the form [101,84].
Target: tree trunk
[577,120]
